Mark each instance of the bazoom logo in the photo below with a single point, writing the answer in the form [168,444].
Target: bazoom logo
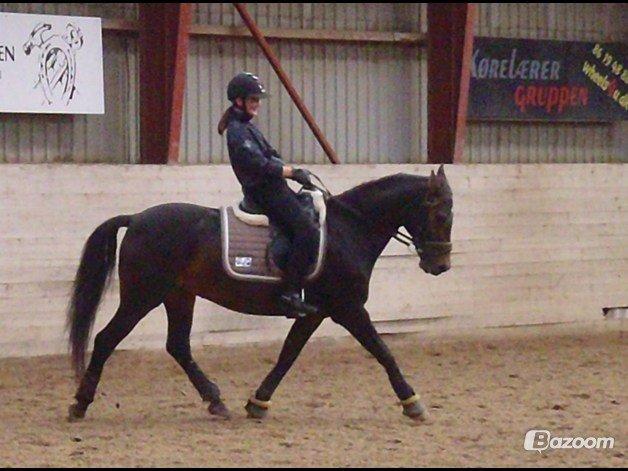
[541,440]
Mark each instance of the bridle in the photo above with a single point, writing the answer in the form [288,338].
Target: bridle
[432,248]
[423,247]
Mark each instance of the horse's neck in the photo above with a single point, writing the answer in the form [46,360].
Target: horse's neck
[381,204]
[384,201]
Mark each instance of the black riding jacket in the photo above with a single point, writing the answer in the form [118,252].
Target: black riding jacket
[259,170]
[256,164]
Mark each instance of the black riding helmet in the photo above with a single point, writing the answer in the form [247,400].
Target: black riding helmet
[245,85]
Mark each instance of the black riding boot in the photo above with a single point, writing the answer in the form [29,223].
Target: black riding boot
[284,210]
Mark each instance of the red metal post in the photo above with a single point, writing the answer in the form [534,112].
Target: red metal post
[163,55]
[466,36]
[274,62]
[449,51]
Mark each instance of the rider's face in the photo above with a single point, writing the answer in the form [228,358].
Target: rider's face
[251,105]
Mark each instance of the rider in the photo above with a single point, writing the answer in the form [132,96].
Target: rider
[262,174]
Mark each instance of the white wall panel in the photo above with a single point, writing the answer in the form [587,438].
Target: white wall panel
[531,244]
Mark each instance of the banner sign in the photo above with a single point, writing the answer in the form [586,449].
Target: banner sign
[51,64]
[525,79]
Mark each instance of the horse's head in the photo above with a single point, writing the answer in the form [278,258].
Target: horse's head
[430,225]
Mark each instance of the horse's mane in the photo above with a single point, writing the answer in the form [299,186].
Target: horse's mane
[397,182]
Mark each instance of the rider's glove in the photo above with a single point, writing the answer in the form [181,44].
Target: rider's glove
[302,176]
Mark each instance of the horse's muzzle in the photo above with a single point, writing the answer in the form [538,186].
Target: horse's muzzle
[440,269]
[434,269]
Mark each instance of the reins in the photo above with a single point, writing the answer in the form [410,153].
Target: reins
[435,247]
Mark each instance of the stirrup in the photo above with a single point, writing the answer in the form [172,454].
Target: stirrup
[298,307]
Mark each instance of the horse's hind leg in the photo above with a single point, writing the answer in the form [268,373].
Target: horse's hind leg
[126,318]
[180,308]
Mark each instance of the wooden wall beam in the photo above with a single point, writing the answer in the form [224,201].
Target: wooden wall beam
[449,50]
[163,44]
[314,35]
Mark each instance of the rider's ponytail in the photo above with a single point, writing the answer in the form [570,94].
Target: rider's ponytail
[224,121]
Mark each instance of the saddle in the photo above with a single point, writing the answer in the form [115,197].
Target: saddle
[255,250]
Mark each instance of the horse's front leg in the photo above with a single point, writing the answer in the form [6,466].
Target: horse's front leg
[358,323]
[299,334]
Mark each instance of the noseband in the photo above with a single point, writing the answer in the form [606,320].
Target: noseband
[424,248]
[431,248]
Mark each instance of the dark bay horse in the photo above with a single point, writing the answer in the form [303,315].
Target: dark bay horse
[172,253]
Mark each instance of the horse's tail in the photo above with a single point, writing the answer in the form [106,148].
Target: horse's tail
[97,262]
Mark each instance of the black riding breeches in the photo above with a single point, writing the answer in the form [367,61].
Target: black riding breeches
[283,209]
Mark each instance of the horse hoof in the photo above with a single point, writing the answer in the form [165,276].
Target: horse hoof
[76,413]
[417,412]
[254,411]
[219,410]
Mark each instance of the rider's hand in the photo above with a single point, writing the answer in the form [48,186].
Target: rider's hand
[302,176]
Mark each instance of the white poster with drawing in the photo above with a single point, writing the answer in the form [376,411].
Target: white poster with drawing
[51,64]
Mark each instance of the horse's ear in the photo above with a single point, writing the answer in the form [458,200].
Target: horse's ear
[441,170]
[432,184]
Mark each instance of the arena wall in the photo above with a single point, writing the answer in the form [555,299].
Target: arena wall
[533,244]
